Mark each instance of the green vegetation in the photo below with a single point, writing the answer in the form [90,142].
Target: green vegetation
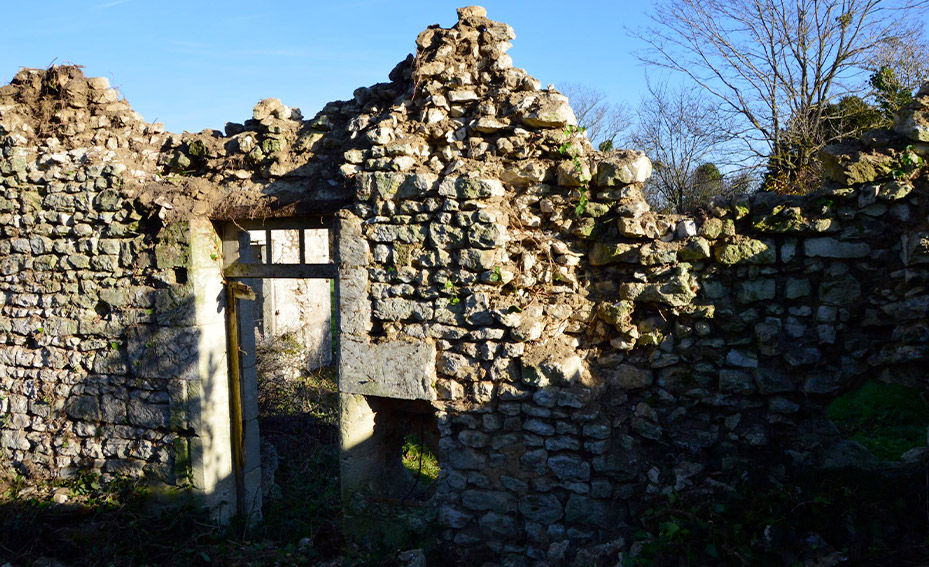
[286,388]
[419,460]
[823,519]
[567,149]
[907,162]
[886,418]
[91,521]
[452,290]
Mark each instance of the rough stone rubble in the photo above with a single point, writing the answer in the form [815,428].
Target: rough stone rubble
[582,353]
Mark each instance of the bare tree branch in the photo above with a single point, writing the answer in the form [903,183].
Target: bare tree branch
[778,65]
[605,122]
[685,135]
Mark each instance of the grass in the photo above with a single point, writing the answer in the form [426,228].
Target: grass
[419,460]
[109,523]
[888,419]
[839,518]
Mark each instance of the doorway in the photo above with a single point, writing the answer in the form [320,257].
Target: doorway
[280,289]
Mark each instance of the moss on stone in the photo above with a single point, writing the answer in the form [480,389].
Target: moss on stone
[888,419]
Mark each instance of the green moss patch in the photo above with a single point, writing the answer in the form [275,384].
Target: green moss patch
[886,418]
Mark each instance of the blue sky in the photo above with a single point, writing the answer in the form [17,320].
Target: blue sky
[198,64]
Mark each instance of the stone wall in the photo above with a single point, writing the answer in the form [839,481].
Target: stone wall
[107,354]
[96,331]
[582,354]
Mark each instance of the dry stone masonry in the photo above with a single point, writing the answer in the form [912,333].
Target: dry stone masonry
[578,353]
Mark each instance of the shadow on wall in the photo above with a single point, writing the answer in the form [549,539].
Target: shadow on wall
[389,502]
[130,380]
[572,468]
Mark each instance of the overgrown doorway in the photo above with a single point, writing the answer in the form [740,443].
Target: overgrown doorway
[281,285]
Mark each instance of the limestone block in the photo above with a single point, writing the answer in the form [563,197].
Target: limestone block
[452,518]
[843,291]
[586,511]
[895,190]
[630,377]
[602,254]
[912,120]
[756,290]
[850,164]
[143,413]
[573,173]
[495,525]
[392,369]
[543,508]
[623,168]
[471,12]
[831,248]
[695,250]
[409,234]
[488,125]
[677,291]
[618,314]
[802,356]
[546,109]
[470,187]
[638,227]
[488,500]
[742,358]
[569,467]
[745,250]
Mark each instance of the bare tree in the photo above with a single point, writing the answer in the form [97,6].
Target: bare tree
[776,65]
[685,136]
[605,122]
[906,54]
[898,67]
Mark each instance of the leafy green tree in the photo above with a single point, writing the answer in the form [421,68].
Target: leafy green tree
[790,171]
[890,93]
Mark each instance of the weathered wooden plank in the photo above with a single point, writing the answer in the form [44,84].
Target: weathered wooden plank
[235,395]
[269,248]
[230,244]
[308,271]
[241,291]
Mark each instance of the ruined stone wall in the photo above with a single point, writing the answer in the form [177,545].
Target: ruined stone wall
[95,330]
[582,354]
[589,354]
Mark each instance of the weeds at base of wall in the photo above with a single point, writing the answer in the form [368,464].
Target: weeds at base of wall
[386,527]
[835,518]
[114,527]
[85,520]
[888,419]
